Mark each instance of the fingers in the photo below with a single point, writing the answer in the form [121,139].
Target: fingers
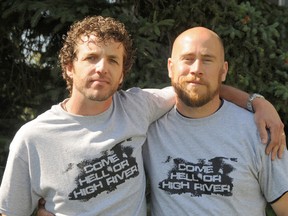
[278,147]
[263,132]
[277,136]
[273,140]
[267,118]
[283,145]
[274,152]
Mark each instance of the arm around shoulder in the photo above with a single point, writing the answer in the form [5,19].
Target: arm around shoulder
[281,205]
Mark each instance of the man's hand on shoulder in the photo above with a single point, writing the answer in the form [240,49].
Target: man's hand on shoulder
[267,118]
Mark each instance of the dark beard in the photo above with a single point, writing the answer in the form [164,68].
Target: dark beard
[190,101]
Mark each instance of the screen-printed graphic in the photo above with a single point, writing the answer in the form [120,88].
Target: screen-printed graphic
[204,177]
[104,173]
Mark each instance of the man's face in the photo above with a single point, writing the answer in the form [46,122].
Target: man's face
[97,70]
[197,68]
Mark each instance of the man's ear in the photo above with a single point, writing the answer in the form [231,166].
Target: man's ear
[121,78]
[224,71]
[169,66]
[69,70]
[121,81]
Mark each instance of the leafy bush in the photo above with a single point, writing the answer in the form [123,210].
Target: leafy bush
[254,33]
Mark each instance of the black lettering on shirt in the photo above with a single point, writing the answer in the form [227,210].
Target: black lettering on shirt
[104,173]
[205,177]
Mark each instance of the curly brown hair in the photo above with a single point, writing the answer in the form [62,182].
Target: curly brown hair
[105,29]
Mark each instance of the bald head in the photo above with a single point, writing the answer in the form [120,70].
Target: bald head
[198,35]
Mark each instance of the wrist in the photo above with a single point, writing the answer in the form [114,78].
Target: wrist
[251,98]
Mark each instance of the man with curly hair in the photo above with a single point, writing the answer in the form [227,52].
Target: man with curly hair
[84,155]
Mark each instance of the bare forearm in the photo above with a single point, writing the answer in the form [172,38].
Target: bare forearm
[280,207]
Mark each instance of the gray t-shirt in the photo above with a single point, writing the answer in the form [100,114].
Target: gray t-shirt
[83,165]
[211,166]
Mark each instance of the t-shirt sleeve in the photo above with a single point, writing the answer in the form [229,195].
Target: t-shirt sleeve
[160,101]
[15,190]
[273,176]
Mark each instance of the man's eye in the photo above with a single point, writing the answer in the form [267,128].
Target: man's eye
[113,61]
[91,58]
[188,59]
[207,60]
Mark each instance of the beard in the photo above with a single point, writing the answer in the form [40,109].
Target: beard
[100,97]
[195,97]
[100,93]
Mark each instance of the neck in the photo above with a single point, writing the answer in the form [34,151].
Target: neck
[199,112]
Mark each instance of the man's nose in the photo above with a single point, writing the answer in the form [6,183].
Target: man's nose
[196,68]
[101,66]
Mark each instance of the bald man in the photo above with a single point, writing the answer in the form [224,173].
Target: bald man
[205,157]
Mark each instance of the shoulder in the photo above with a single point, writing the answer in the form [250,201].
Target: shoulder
[150,103]
[40,121]
[148,92]
[146,97]
[239,119]
[237,112]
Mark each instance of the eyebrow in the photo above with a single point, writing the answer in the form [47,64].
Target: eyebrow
[187,55]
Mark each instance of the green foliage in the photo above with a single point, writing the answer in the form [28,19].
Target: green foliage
[254,34]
